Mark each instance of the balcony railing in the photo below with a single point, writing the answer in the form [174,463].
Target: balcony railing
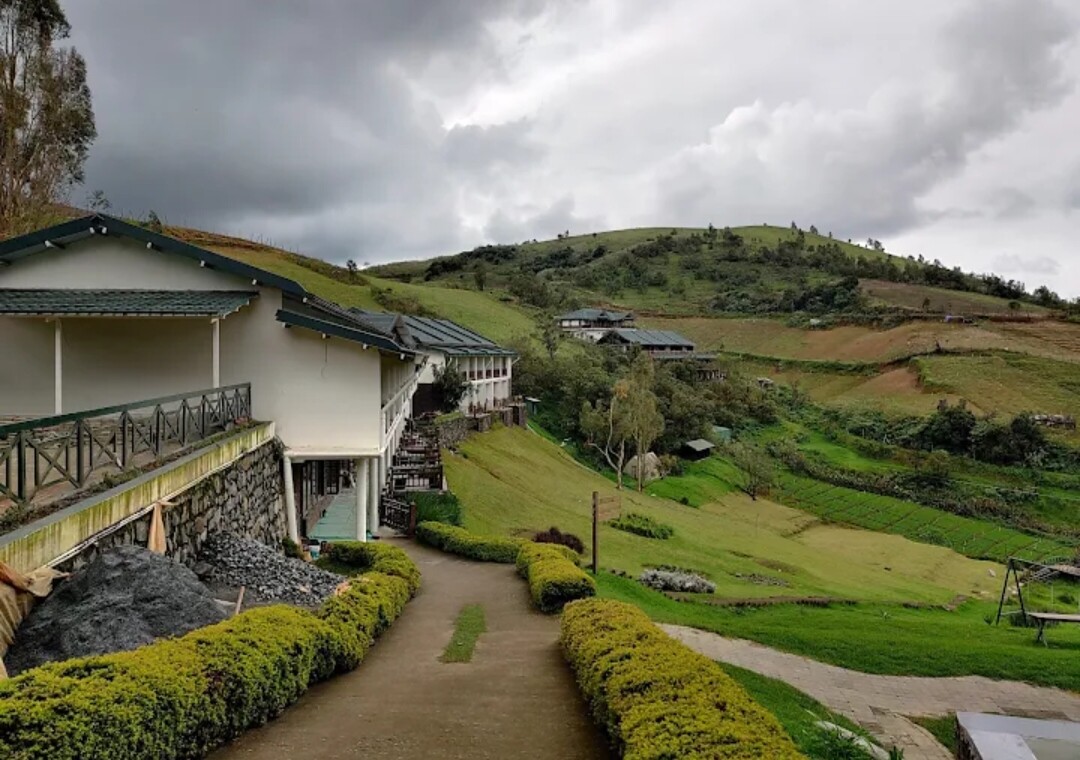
[72,450]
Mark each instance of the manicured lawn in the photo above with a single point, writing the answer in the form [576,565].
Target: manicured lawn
[513,482]
[469,625]
[796,711]
[881,638]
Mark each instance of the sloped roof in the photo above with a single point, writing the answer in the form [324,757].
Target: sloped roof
[157,303]
[699,444]
[597,315]
[315,310]
[442,335]
[641,337]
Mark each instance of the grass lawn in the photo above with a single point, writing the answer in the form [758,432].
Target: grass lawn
[796,711]
[514,482]
[469,625]
[943,729]
[881,638]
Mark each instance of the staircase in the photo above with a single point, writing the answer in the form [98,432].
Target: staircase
[417,466]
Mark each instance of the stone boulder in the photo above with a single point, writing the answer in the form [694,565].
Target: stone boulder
[652,467]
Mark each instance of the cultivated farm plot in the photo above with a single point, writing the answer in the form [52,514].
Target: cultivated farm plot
[973,538]
[942,300]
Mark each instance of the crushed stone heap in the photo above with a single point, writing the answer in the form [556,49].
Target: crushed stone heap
[125,598]
[267,574]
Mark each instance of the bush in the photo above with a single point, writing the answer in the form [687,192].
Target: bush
[657,698]
[435,506]
[555,536]
[553,575]
[668,579]
[377,558]
[642,525]
[180,698]
[450,538]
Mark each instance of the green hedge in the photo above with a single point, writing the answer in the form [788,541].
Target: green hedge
[373,556]
[553,575]
[450,538]
[642,525]
[180,698]
[658,699]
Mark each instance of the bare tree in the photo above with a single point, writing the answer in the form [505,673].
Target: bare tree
[46,118]
[605,429]
[644,422]
[758,472]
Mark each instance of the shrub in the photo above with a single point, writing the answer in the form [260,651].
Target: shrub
[657,698]
[555,536]
[553,575]
[455,540]
[642,525]
[180,698]
[433,506]
[376,557]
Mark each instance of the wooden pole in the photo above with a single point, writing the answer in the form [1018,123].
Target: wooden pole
[595,531]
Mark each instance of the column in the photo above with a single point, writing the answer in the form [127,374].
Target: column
[290,500]
[361,487]
[216,327]
[374,489]
[58,368]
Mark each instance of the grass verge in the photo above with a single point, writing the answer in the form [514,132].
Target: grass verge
[943,729]
[469,625]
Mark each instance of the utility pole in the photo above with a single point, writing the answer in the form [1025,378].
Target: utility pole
[595,530]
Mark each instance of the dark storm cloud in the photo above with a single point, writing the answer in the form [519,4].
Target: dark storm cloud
[296,119]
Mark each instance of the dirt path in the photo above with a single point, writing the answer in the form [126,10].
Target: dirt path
[516,699]
[878,703]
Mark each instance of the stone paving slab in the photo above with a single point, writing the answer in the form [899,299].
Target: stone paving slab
[878,702]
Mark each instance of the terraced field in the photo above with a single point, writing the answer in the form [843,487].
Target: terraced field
[939,300]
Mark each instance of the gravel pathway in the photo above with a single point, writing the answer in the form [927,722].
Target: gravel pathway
[878,703]
[515,699]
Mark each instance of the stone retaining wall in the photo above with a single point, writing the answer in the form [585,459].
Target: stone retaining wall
[246,498]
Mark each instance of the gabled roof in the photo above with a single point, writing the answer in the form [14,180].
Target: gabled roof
[313,311]
[156,303]
[641,337]
[597,315]
[429,333]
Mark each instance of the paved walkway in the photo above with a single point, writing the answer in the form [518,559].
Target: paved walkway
[516,699]
[878,702]
[339,520]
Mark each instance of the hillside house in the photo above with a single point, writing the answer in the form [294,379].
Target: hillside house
[97,312]
[665,345]
[593,324]
[487,366]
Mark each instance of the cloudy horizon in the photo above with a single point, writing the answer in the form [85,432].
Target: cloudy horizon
[385,131]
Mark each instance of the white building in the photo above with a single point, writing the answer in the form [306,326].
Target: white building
[98,312]
[593,324]
[487,366]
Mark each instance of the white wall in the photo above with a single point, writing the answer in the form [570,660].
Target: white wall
[26,367]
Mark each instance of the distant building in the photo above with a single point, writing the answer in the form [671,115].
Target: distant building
[486,365]
[593,324]
[697,449]
[665,345]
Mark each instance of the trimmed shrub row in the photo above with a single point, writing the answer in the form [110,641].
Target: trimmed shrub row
[553,575]
[642,525]
[450,538]
[180,698]
[657,698]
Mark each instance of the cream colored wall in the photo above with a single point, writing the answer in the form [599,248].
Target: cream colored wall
[114,263]
[26,367]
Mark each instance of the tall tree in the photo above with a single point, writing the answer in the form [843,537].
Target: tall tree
[46,118]
[606,430]
[643,419]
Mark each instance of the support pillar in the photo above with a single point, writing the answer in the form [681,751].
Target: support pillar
[375,489]
[290,502]
[360,485]
[58,368]
[216,327]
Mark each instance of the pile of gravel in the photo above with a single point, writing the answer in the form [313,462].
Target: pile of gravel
[267,574]
[676,580]
[125,598]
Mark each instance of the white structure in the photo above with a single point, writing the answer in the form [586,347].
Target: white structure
[487,366]
[593,324]
[97,312]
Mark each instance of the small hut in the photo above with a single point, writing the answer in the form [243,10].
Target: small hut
[699,448]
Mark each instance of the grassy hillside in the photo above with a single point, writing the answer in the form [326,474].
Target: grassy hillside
[514,482]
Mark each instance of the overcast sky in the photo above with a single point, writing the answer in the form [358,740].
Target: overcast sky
[381,130]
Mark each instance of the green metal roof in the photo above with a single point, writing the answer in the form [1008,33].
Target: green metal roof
[340,329]
[428,333]
[649,338]
[150,303]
